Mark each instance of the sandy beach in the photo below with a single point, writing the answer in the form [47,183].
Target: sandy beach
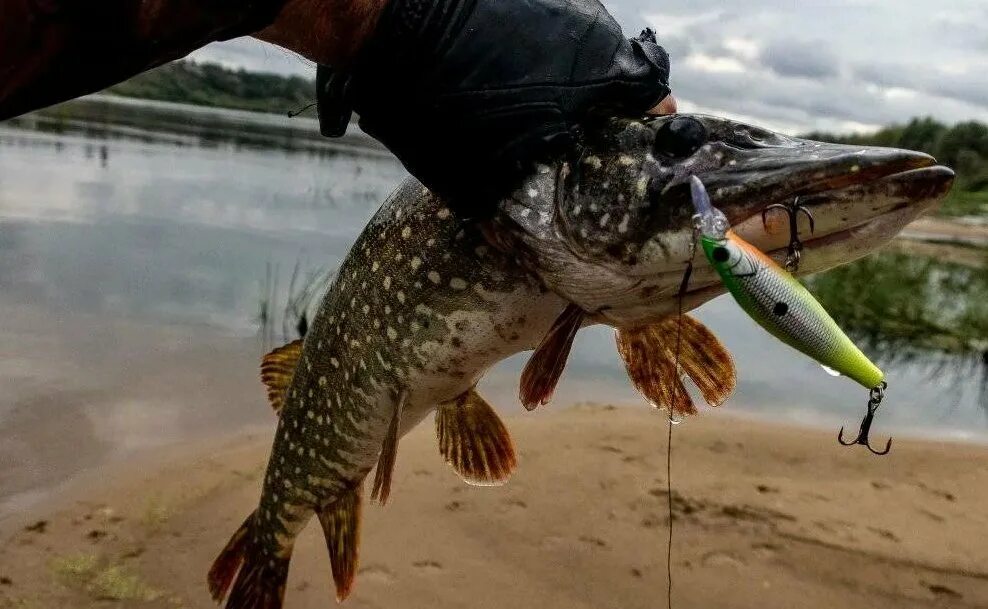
[765,516]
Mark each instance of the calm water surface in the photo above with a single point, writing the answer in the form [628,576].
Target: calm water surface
[187,235]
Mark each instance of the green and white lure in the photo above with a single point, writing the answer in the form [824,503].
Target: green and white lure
[779,303]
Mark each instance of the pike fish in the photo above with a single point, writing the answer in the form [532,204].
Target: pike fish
[426,302]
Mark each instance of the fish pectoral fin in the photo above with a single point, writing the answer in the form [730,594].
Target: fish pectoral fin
[277,369]
[340,522]
[650,355]
[389,453]
[474,441]
[651,369]
[542,372]
[703,358]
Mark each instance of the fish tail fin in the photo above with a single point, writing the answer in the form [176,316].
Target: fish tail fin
[257,579]
[340,522]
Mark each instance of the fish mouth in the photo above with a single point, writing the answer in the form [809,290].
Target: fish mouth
[852,215]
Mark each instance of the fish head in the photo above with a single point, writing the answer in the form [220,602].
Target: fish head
[611,229]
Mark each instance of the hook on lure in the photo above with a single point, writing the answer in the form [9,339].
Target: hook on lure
[874,401]
[792,211]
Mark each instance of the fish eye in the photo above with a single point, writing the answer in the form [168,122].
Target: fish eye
[679,137]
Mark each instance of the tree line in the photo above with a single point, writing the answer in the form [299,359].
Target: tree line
[209,84]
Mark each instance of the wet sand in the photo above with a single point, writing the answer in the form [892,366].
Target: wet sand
[764,516]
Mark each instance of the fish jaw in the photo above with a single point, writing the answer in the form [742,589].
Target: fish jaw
[616,238]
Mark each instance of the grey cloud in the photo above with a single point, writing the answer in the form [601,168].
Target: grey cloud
[969,88]
[805,59]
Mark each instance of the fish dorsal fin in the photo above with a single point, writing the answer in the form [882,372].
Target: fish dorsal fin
[650,354]
[542,372]
[277,369]
[340,522]
[474,441]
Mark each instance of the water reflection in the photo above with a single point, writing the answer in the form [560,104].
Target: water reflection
[909,308]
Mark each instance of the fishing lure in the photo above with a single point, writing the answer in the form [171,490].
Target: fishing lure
[779,303]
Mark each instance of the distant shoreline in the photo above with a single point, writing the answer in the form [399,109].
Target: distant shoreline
[106,115]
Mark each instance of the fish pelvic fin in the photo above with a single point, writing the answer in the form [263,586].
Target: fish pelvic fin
[260,577]
[702,357]
[277,369]
[389,454]
[474,441]
[650,357]
[652,371]
[340,522]
[542,372]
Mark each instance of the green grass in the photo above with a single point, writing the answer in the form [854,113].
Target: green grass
[965,203]
[156,513]
[101,581]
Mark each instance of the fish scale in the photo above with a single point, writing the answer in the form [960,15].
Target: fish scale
[411,304]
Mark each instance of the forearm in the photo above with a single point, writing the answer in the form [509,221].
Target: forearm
[324,31]
[53,50]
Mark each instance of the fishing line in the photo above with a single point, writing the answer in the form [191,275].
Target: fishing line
[671,421]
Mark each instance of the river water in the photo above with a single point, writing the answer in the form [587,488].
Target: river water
[115,250]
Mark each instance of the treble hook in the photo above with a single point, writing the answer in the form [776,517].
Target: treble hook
[792,210]
[874,401]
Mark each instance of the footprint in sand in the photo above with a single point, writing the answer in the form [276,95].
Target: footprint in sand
[764,551]
[941,591]
[427,567]
[593,541]
[376,573]
[885,533]
[722,559]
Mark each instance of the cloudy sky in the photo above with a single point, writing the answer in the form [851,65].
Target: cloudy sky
[797,65]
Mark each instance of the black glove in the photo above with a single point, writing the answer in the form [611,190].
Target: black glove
[469,93]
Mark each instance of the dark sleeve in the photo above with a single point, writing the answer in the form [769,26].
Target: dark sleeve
[54,50]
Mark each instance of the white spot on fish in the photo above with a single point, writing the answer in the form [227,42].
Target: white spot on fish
[532,193]
[605,219]
[525,212]
[443,213]
[406,232]
[387,282]
[626,160]
[392,333]
[593,162]
[577,210]
[366,309]
[401,297]
[457,284]
[623,225]
[430,242]
[335,362]
[416,263]
[855,168]
[434,277]
[322,381]
[375,265]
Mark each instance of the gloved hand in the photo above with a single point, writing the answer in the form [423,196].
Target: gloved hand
[469,93]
